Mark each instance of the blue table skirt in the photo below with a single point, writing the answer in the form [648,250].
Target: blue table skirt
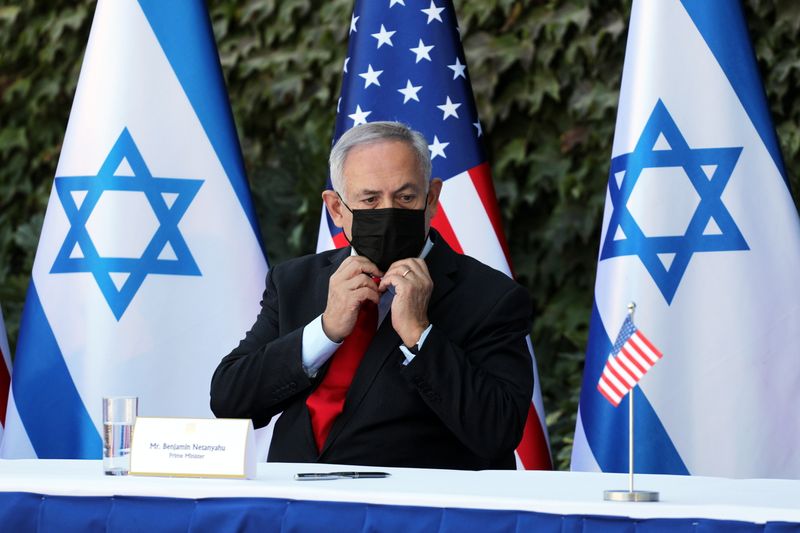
[22,512]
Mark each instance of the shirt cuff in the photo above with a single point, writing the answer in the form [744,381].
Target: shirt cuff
[409,355]
[317,347]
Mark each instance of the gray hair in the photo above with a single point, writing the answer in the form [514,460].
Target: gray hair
[376,132]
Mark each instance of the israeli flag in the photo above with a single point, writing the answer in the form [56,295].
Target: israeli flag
[149,265]
[701,232]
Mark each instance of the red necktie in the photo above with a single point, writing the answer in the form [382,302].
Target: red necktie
[327,401]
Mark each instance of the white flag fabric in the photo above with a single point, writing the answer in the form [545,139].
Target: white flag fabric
[700,230]
[149,266]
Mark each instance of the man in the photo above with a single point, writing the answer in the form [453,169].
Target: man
[396,351]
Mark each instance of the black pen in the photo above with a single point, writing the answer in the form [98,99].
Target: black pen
[322,476]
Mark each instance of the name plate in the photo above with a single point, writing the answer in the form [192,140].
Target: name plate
[193,447]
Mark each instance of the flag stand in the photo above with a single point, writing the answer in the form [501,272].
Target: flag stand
[630,495]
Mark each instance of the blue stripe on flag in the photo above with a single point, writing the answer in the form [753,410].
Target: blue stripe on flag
[606,427]
[56,422]
[722,25]
[183,30]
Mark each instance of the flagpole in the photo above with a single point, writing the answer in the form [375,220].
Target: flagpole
[630,495]
[631,309]
[630,440]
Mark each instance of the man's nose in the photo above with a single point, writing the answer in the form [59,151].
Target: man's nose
[386,201]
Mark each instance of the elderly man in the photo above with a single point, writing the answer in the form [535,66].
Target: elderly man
[395,351]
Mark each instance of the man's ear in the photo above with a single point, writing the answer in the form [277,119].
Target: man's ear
[334,206]
[434,190]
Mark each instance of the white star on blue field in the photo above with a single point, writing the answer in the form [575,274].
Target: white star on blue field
[710,209]
[167,234]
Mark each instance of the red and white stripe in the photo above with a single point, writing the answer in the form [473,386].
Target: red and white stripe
[469,220]
[610,386]
[623,372]
[5,374]
[642,350]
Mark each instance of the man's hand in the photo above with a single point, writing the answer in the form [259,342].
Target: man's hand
[349,287]
[412,291]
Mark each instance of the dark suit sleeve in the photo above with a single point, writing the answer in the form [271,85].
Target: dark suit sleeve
[264,372]
[481,389]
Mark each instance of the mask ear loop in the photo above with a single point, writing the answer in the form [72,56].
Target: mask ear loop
[348,207]
[351,211]
[425,210]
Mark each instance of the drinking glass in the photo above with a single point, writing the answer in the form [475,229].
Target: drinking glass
[119,414]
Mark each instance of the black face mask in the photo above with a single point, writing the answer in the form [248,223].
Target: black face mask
[386,235]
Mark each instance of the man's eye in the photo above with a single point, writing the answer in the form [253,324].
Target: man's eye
[370,200]
[407,198]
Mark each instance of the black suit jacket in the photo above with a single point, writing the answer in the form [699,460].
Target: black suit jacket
[461,403]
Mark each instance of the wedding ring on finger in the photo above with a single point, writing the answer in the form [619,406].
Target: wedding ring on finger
[406,272]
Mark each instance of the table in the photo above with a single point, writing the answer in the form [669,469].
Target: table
[43,495]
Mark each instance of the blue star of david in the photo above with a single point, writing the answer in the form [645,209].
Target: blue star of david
[101,268]
[709,188]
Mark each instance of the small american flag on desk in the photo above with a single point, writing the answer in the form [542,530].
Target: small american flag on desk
[631,357]
[405,63]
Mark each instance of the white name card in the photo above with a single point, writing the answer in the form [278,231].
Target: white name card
[193,447]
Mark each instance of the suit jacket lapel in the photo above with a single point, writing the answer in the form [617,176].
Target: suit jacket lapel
[441,265]
[382,346]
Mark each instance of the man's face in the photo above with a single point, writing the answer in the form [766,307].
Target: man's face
[378,176]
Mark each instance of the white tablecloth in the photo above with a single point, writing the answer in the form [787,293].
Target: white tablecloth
[754,500]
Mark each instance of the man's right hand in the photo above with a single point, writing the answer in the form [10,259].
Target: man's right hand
[349,287]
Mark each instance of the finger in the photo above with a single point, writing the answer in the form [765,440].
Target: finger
[413,270]
[401,269]
[421,267]
[419,272]
[401,264]
[366,294]
[360,281]
[394,280]
[410,264]
[424,274]
[356,264]
[353,270]
[418,267]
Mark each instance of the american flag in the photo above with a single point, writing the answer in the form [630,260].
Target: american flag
[631,357]
[5,374]
[405,63]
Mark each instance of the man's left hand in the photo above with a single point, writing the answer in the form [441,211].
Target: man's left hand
[412,291]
